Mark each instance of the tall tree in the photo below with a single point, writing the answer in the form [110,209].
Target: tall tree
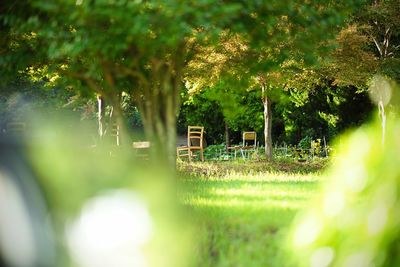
[368,53]
[269,69]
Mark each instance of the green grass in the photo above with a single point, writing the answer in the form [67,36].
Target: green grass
[242,210]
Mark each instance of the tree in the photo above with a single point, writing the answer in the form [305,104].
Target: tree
[382,24]
[108,48]
[295,37]
[142,48]
[368,53]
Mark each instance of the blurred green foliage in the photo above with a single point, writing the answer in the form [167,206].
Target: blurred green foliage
[355,221]
[72,172]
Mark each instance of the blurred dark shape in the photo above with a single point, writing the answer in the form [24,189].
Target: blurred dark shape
[16,128]
[26,237]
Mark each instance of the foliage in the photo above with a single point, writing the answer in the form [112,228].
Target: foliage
[21,98]
[215,152]
[354,221]
[317,112]
[200,110]
[323,111]
[266,67]
[143,49]
[352,63]
[368,45]
[305,143]
[317,147]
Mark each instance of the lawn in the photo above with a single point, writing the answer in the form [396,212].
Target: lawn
[242,211]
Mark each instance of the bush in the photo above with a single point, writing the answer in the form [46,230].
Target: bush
[305,143]
[215,152]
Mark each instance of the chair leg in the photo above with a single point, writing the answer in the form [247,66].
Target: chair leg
[201,154]
[189,155]
[242,153]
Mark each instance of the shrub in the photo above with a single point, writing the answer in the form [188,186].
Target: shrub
[215,152]
[305,143]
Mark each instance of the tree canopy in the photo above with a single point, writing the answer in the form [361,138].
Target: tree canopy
[143,48]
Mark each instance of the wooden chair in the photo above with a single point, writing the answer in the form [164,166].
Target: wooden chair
[249,143]
[194,142]
[141,149]
[235,149]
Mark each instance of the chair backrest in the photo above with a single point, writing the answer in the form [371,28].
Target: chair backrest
[142,149]
[195,136]
[141,144]
[249,136]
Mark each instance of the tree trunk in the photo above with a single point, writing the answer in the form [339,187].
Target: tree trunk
[160,130]
[267,124]
[170,128]
[116,123]
[158,109]
[114,126]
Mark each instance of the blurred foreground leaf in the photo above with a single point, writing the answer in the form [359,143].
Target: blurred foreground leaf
[355,221]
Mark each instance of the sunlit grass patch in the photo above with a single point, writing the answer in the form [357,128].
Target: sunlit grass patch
[243,213]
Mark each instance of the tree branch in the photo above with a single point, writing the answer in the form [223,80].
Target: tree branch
[377,46]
